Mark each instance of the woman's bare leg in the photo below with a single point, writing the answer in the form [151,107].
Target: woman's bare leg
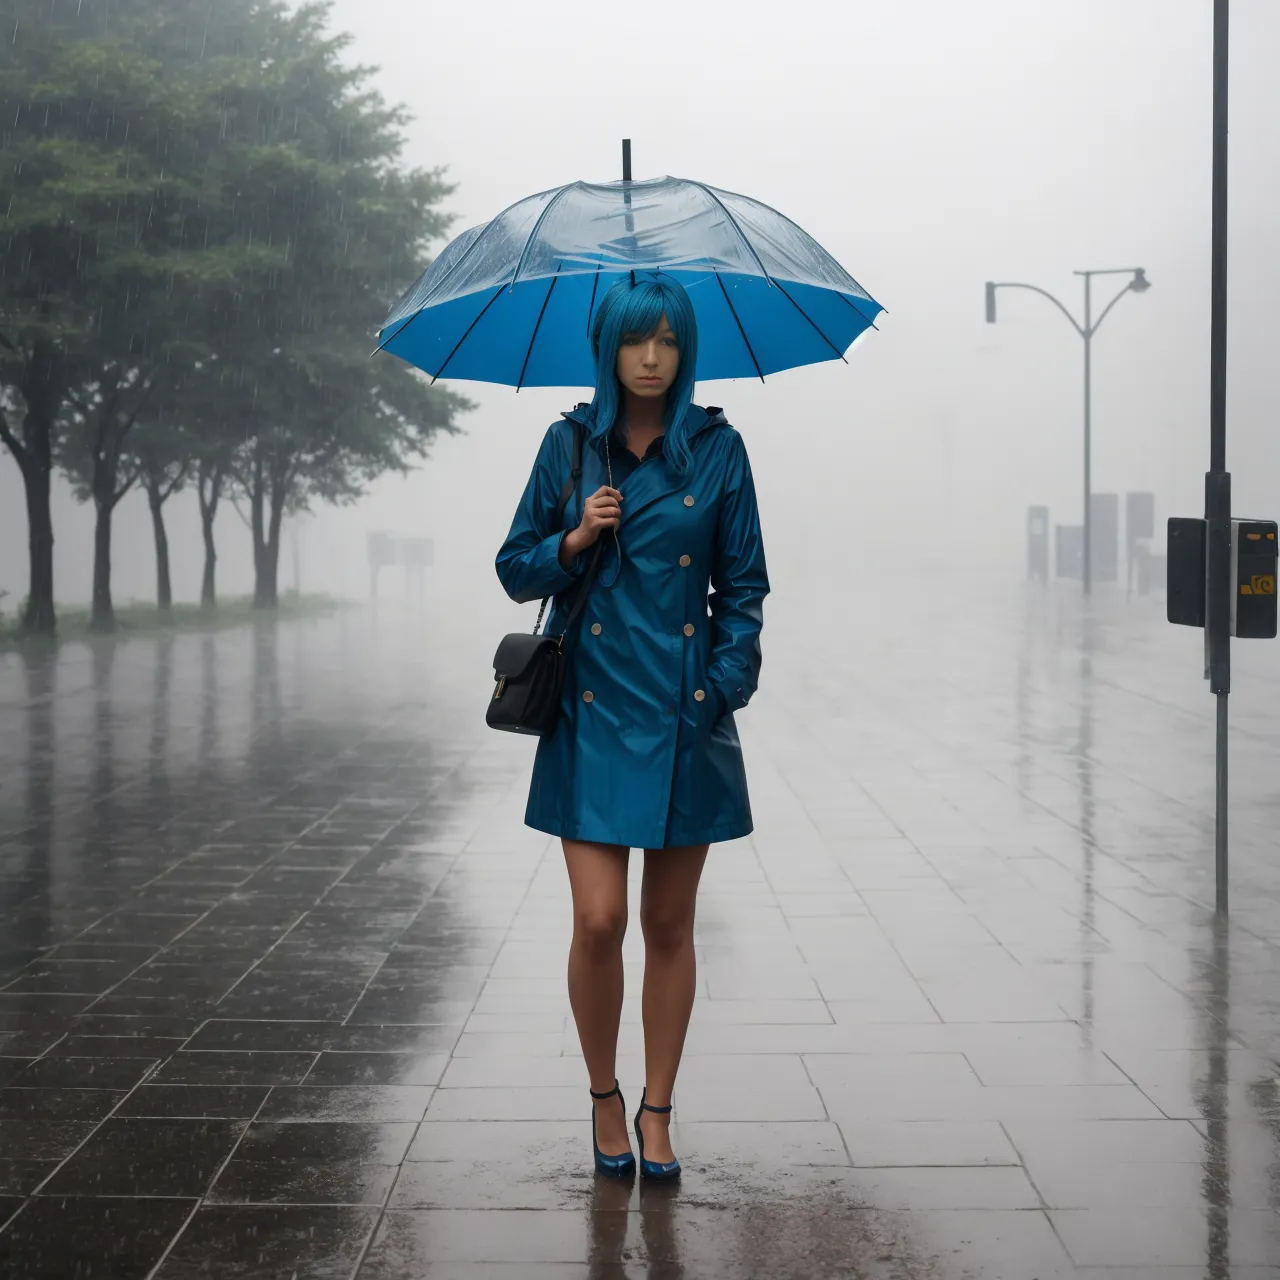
[667,901]
[598,880]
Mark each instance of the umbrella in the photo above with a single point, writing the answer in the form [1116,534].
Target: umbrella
[512,301]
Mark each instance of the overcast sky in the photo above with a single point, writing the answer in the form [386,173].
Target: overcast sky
[929,145]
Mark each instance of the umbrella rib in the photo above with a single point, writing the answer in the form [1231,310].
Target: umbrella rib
[733,222]
[810,319]
[537,226]
[466,335]
[533,337]
[408,321]
[741,330]
[851,307]
[591,306]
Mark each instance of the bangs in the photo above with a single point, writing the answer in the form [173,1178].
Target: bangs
[636,307]
[643,308]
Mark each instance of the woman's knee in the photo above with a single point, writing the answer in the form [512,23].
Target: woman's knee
[600,928]
[666,930]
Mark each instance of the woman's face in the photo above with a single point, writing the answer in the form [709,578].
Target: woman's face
[648,363]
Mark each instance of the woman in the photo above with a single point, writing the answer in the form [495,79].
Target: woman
[645,753]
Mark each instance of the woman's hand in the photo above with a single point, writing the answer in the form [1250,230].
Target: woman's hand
[603,510]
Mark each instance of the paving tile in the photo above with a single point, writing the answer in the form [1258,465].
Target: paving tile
[147,1157]
[922,1143]
[85,1073]
[195,1101]
[381,1103]
[40,1139]
[376,1068]
[57,1104]
[20,1177]
[314,1037]
[320,1242]
[234,1067]
[1166,1236]
[300,1181]
[409,1239]
[81,1237]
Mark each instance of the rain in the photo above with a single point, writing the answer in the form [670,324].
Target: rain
[985,973]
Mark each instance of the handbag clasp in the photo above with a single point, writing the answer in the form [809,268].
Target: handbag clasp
[502,684]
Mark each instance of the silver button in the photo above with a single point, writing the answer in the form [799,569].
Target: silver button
[596,628]
[588,696]
[688,500]
[688,628]
[698,695]
[685,561]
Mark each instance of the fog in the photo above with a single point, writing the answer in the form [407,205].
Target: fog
[929,146]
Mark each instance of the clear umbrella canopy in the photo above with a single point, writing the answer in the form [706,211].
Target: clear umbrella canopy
[512,301]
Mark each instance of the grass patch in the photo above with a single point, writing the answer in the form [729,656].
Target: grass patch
[141,618]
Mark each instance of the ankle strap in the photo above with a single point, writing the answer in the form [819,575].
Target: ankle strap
[662,1111]
[601,1096]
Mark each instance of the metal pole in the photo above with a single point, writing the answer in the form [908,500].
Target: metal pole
[1217,507]
[1086,569]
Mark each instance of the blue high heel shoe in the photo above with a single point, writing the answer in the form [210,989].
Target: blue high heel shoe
[615,1166]
[651,1169]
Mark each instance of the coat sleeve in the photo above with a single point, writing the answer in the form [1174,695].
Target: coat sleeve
[529,563]
[739,584]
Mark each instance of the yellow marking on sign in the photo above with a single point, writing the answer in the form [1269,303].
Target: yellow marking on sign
[1262,584]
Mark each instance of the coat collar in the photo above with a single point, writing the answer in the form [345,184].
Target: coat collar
[699,420]
[648,483]
[657,477]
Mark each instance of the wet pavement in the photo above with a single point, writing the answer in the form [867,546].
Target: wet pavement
[281,971]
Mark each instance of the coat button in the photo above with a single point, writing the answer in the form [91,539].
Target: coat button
[688,628]
[698,695]
[596,628]
[588,696]
[688,500]
[685,561]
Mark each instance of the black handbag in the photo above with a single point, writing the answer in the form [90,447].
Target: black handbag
[529,670]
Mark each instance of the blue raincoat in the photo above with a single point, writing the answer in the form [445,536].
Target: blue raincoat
[645,753]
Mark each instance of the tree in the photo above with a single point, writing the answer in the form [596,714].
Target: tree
[321,419]
[109,110]
[91,451]
[205,219]
[163,456]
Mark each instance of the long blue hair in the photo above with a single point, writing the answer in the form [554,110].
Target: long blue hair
[635,304]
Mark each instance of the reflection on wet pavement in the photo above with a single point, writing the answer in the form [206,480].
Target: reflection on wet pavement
[282,991]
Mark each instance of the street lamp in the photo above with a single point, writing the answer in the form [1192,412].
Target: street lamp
[1138,283]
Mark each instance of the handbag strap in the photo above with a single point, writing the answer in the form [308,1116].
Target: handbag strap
[566,492]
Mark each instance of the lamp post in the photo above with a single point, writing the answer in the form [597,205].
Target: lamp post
[1138,283]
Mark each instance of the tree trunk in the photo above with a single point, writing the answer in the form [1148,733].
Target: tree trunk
[38,616]
[209,488]
[265,594]
[164,586]
[43,385]
[103,617]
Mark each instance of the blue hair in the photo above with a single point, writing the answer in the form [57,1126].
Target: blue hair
[635,304]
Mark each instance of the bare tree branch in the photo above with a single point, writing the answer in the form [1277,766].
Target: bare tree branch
[132,479]
[177,481]
[12,443]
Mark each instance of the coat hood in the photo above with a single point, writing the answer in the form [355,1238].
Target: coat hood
[698,418]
